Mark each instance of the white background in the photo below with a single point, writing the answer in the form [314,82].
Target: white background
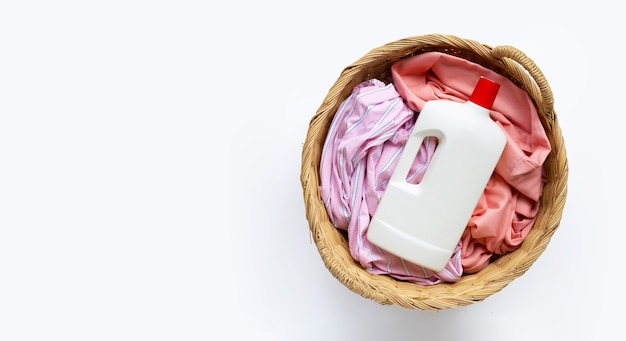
[150,159]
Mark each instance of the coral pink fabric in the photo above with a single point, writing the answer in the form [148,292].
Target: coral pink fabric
[507,209]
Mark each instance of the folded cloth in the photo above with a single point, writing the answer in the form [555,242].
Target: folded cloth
[362,147]
[508,207]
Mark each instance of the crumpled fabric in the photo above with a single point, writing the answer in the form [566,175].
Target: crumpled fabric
[508,207]
[362,147]
[368,134]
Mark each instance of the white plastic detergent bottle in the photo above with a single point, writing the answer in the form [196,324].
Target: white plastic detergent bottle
[423,223]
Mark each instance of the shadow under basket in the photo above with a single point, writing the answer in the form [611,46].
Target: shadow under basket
[332,244]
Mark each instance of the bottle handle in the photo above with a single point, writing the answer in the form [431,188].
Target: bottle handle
[408,154]
[537,87]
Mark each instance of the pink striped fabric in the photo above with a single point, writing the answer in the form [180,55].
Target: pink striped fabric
[361,150]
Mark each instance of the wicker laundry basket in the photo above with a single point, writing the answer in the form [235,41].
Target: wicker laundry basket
[333,246]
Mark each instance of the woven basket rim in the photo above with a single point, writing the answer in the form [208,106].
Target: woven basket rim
[332,245]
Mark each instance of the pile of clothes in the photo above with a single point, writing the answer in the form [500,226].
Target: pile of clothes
[366,138]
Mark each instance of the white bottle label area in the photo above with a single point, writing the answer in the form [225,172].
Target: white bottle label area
[422,223]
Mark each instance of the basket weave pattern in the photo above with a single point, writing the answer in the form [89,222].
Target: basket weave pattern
[333,246]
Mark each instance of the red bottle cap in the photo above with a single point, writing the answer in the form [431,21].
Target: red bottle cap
[485,93]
